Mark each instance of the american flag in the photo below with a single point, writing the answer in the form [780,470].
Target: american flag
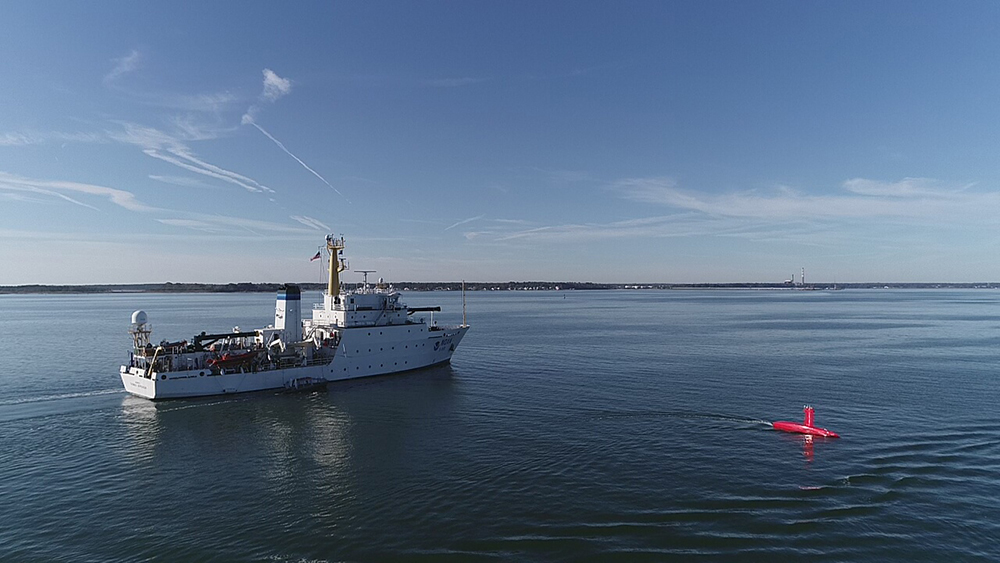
[314,258]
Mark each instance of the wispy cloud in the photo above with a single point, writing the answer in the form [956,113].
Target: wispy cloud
[911,205]
[123,65]
[226,224]
[860,198]
[190,127]
[907,187]
[36,138]
[274,87]
[310,222]
[182,181]
[168,148]
[60,189]
[16,139]
[464,221]
[211,102]
[663,226]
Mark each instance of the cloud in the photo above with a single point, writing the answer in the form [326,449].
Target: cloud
[860,210]
[275,86]
[464,221]
[193,224]
[211,102]
[16,139]
[191,128]
[310,222]
[58,189]
[911,197]
[225,224]
[36,138]
[170,149]
[202,103]
[183,181]
[907,187]
[662,226]
[123,65]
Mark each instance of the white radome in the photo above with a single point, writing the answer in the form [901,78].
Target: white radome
[139,317]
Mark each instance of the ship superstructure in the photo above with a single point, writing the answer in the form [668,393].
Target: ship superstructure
[359,333]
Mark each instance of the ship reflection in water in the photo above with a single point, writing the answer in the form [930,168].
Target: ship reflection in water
[277,439]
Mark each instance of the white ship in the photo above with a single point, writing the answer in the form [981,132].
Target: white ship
[352,334]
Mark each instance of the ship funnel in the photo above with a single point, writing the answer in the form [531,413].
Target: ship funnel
[288,312]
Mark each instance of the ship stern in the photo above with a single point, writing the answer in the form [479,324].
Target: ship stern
[136,383]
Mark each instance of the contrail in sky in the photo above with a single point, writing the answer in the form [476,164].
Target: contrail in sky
[464,221]
[297,159]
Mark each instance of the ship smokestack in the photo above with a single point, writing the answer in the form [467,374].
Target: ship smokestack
[288,312]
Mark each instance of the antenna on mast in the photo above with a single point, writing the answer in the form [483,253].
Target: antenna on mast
[365,274]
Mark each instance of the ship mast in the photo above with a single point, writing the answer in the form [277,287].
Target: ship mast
[335,246]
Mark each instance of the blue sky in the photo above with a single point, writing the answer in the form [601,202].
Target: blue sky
[609,142]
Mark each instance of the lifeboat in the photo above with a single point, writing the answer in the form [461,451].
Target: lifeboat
[229,360]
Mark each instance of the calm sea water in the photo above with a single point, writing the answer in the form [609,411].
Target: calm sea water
[606,426]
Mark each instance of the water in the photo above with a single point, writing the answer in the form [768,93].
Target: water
[623,426]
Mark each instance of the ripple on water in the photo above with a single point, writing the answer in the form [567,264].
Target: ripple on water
[637,431]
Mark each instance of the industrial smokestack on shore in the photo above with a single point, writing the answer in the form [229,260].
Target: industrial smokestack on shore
[288,312]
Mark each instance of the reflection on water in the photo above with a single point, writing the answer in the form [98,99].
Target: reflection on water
[287,439]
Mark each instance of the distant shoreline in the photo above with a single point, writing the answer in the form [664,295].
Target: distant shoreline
[247,287]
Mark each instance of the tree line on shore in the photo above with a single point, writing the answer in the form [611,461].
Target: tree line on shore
[251,287]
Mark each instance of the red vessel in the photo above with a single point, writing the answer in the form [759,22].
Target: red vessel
[806,427]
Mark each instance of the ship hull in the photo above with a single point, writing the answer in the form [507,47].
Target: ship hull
[362,352]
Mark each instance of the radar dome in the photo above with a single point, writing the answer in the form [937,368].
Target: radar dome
[139,317]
